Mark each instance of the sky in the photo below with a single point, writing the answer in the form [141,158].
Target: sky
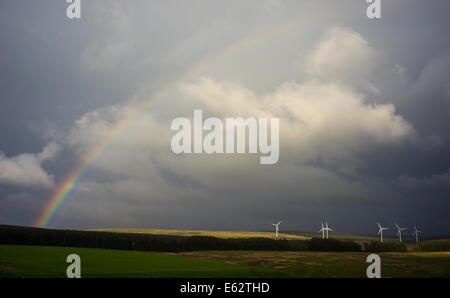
[364,109]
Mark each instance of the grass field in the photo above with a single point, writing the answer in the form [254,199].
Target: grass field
[219,234]
[336,236]
[43,261]
[334,264]
[243,234]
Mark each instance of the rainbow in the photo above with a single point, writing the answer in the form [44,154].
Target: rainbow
[68,186]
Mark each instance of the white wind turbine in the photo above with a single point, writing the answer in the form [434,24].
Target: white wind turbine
[327,228]
[380,231]
[322,230]
[416,232]
[399,232]
[276,228]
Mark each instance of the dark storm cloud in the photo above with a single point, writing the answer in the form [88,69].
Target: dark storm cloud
[55,71]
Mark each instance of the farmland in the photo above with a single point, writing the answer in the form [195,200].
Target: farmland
[36,252]
[218,234]
[290,235]
[42,261]
[39,261]
[336,264]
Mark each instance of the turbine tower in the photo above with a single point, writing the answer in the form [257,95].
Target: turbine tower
[327,228]
[416,232]
[322,230]
[399,232]
[380,231]
[276,228]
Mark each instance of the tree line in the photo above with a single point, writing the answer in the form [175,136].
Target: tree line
[15,235]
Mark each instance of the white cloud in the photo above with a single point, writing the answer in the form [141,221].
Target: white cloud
[26,169]
[326,128]
[49,152]
[325,121]
[341,54]
[322,124]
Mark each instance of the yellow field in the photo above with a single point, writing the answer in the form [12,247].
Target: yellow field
[218,234]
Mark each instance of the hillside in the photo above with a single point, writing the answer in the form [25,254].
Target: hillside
[218,234]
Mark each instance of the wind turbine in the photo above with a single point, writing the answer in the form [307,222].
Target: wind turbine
[380,231]
[276,228]
[322,230]
[399,232]
[416,232]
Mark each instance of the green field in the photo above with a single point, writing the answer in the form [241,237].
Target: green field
[43,261]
